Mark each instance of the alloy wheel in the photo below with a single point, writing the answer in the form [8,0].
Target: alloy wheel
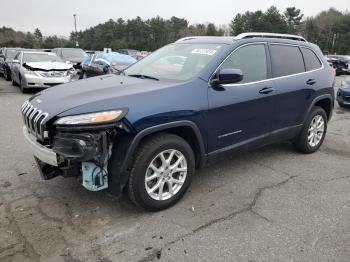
[166,174]
[316,130]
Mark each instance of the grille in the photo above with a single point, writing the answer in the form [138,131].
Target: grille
[53,74]
[347,98]
[33,118]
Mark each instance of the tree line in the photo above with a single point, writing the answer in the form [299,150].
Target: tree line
[329,29]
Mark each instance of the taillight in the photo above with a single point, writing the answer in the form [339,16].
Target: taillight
[334,71]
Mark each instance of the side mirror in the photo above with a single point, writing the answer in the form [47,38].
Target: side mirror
[106,69]
[15,61]
[227,76]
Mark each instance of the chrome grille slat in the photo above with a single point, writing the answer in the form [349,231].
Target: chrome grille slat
[28,112]
[34,118]
[36,122]
[31,116]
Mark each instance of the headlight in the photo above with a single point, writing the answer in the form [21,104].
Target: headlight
[93,118]
[29,72]
[71,72]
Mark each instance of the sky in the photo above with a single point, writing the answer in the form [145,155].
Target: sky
[55,17]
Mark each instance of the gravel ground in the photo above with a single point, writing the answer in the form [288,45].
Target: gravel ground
[272,204]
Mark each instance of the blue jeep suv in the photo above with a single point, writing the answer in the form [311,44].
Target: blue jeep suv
[146,130]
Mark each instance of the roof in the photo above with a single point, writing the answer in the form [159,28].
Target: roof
[270,35]
[230,40]
[208,39]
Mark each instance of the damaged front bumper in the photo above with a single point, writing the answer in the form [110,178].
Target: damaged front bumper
[80,154]
[41,152]
[32,81]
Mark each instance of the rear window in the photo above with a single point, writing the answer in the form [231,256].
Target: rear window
[286,60]
[311,60]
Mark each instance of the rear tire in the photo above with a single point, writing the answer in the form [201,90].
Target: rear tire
[313,133]
[161,172]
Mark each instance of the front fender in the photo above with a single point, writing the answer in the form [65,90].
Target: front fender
[120,179]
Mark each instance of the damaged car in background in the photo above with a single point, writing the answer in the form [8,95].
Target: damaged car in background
[106,63]
[74,56]
[40,70]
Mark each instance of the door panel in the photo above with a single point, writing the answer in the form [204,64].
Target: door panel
[242,111]
[292,83]
[239,113]
[292,100]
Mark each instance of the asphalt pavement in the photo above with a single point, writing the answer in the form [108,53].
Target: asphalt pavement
[271,204]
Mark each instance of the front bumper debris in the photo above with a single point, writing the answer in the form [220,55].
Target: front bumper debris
[41,152]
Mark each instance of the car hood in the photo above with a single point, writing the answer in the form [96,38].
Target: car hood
[48,66]
[96,94]
[345,90]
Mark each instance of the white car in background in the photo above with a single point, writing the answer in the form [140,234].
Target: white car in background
[33,69]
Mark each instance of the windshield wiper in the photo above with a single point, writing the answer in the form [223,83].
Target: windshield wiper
[145,76]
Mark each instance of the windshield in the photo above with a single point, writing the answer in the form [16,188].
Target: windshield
[74,54]
[132,52]
[40,57]
[179,62]
[11,53]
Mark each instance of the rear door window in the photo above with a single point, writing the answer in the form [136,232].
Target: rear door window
[286,60]
[251,59]
[311,60]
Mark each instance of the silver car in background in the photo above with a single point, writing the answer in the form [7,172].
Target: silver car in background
[33,69]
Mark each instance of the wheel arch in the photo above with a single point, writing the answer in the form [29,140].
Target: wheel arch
[326,102]
[185,129]
[188,130]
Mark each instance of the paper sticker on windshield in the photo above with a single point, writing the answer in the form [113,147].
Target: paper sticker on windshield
[202,51]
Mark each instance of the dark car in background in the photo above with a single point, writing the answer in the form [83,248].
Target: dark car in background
[75,56]
[6,57]
[343,93]
[105,63]
[341,64]
[149,128]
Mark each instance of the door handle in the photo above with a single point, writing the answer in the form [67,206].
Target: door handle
[311,82]
[266,90]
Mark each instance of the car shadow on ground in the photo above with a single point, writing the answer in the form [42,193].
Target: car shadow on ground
[223,166]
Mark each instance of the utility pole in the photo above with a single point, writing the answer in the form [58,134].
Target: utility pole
[76,32]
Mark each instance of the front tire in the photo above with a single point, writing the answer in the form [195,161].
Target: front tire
[313,133]
[162,171]
[7,76]
[14,83]
[21,86]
